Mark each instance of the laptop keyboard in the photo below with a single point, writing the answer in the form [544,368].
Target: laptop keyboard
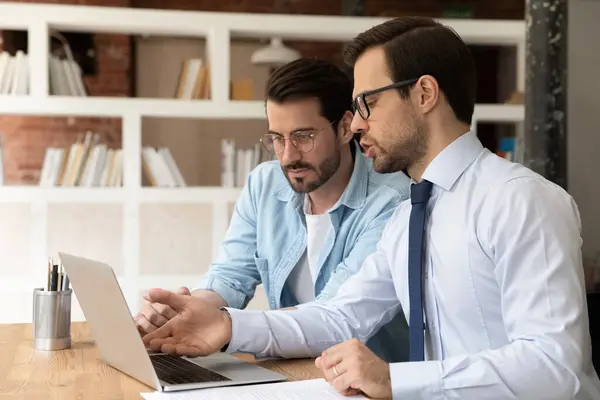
[175,370]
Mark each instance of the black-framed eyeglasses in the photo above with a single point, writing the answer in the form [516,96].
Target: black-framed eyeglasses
[303,141]
[360,103]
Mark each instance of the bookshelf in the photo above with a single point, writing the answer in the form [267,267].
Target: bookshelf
[129,207]
[235,109]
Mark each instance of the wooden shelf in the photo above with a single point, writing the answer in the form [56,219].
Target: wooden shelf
[208,109]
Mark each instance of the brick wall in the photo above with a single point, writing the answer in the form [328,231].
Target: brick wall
[26,138]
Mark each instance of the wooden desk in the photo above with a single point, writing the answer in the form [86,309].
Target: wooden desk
[27,374]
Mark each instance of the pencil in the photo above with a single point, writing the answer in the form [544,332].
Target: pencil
[49,273]
[60,276]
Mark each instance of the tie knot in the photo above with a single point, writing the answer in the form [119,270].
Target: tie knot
[419,192]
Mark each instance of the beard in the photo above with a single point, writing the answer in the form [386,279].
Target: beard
[399,153]
[324,172]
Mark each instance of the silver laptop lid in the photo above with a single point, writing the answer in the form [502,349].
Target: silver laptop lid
[109,317]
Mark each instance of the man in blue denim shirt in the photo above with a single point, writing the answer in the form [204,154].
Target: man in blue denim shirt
[304,223]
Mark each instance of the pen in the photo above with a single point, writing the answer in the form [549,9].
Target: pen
[49,273]
[54,278]
[65,280]
[60,277]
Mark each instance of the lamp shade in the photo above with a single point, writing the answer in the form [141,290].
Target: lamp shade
[276,53]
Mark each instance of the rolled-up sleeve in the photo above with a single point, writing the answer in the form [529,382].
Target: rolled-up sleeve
[364,303]
[234,274]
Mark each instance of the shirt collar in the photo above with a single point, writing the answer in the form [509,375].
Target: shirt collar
[354,196]
[450,163]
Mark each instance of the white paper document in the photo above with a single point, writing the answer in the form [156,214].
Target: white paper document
[298,390]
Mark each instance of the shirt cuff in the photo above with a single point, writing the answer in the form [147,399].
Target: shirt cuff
[249,331]
[416,380]
[232,297]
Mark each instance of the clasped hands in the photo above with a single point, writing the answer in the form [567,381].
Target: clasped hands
[178,323]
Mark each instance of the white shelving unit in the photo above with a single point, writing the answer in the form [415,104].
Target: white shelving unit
[218,29]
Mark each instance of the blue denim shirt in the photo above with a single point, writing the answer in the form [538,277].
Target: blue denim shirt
[267,237]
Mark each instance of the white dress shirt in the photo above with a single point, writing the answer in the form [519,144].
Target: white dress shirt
[505,302]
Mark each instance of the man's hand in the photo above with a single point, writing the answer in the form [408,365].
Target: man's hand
[350,367]
[198,329]
[155,315]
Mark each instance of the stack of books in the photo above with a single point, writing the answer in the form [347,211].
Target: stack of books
[66,78]
[14,73]
[160,168]
[194,82]
[85,163]
[236,163]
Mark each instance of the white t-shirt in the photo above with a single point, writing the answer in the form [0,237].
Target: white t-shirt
[303,276]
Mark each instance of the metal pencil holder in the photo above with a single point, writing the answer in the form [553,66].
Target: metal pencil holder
[51,319]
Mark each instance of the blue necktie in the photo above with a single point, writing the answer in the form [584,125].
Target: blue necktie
[419,195]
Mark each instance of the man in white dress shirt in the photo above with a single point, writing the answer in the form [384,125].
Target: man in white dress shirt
[484,260]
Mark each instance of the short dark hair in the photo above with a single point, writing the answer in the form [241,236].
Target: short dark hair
[416,46]
[307,78]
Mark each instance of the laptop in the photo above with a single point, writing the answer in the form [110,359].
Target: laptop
[121,346]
